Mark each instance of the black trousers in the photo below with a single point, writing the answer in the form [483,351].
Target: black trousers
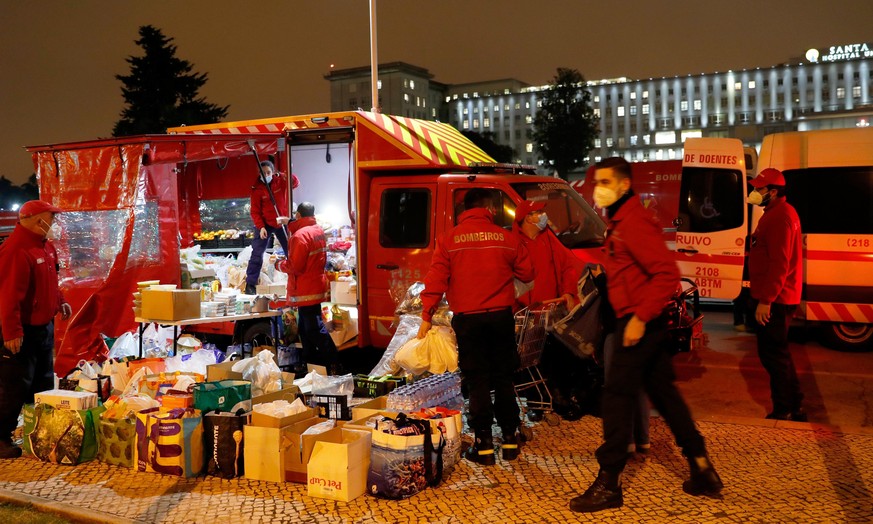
[29,371]
[314,337]
[646,366]
[488,358]
[776,359]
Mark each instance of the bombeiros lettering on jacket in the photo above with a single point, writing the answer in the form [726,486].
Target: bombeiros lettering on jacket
[479,236]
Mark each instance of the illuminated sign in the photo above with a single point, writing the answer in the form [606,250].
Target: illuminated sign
[839,53]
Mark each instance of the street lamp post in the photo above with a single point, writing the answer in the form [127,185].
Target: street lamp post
[374,61]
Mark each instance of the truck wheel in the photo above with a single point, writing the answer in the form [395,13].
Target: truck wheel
[854,338]
[258,329]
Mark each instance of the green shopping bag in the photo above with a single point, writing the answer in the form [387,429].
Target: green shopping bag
[116,439]
[223,395]
[64,436]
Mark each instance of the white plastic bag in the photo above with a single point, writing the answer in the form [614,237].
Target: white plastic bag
[442,350]
[262,371]
[413,356]
[127,345]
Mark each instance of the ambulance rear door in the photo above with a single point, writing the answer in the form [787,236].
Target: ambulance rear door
[711,226]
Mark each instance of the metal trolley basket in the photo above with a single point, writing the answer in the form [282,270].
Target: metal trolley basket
[530,337]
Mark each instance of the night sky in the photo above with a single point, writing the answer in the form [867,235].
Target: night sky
[265,58]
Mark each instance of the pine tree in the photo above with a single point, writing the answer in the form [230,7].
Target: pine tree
[565,126]
[161,91]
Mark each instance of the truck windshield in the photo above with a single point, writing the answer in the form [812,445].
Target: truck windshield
[573,220]
[711,200]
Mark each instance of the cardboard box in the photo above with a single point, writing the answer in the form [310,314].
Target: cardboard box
[360,424]
[265,452]
[344,292]
[369,408]
[202,273]
[298,453]
[338,465]
[170,305]
[271,289]
[64,399]
[222,371]
[348,329]
[266,421]
[289,393]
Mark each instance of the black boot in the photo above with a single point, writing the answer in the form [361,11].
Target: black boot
[482,451]
[704,480]
[8,450]
[604,493]
[510,447]
[250,290]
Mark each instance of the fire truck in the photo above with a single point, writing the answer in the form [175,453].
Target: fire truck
[397,182]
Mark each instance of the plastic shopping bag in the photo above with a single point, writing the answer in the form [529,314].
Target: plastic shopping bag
[582,329]
[442,350]
[413,356]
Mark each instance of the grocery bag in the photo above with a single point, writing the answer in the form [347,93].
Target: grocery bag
[405,461]
[64,436]
[116,438]
[169,442]
[451,425]
[223,395]
[413,357]
[582,329]
[223,443]
[158,384]
[28,415]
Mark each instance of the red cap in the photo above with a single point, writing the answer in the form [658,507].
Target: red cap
[527,207]
[35,207]
[294,181]
[768,177]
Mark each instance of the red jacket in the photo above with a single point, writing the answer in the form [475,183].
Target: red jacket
[307,258]
[29,293]
[474,264]
[776,256]
[263,213]
[557,268]
[641,274]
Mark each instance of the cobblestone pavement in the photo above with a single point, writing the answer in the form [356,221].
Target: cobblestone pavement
[773,472]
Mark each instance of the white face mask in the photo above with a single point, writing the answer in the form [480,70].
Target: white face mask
[269,179]
[53,231]
[543,221]
[758,199]
[605,196]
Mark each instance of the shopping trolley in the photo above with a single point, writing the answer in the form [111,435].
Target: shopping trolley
[530,337]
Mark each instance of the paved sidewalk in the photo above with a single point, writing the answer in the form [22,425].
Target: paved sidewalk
[773,472]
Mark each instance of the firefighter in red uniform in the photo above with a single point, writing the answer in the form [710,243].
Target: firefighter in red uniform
[267,222]
[29,300]
[558,272]
[641,277]
[776,278]
[308,286]
[474,264]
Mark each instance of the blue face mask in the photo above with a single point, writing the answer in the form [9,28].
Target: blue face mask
[543,221]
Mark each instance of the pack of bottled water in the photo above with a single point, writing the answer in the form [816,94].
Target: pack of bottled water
[434,391]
